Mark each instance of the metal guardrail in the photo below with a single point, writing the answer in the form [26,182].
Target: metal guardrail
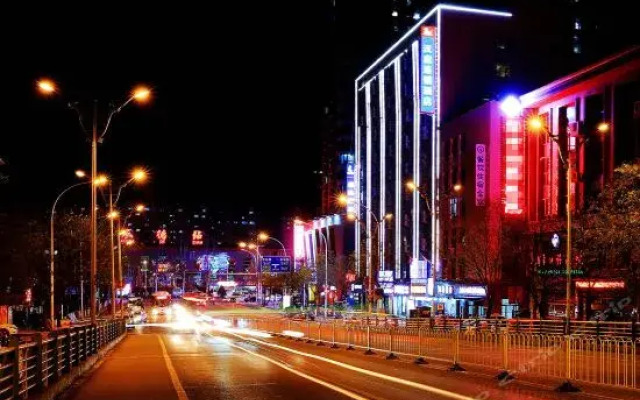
[516,325]
[29,367]
[611,360]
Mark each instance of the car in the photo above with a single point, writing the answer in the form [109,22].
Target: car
[138,317]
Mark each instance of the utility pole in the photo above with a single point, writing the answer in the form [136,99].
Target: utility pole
[94,225]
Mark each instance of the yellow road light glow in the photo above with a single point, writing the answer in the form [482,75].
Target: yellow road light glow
[141,94]
[251,246]
[46,86]
[139,175]
[80,173]
[113,214]
[457,187]
[411,186]
[140,208]
[242,245]
[101,180]
[535,123]
[351,217]
[263,236]
[343,200]
[388,217]
[603,127]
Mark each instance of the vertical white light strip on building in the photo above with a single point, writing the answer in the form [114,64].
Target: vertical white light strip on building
[436,194]
[367,94]
[415,254]
[357,180]
[383,167]
[397,218]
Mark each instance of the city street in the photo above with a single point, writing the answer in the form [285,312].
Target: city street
[169,362]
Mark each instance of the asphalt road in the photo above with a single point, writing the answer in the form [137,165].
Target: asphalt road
[158,363]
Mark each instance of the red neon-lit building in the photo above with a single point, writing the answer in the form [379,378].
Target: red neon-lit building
[498,174]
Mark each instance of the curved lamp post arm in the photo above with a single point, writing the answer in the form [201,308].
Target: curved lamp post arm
[280,243]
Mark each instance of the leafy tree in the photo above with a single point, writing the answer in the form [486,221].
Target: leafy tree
[612,229]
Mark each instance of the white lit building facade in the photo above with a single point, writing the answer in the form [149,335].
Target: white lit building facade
[443,66]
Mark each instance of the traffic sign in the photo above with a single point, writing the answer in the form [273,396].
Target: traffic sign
[276,264]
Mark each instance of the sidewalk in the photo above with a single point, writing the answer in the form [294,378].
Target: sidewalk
[135,370]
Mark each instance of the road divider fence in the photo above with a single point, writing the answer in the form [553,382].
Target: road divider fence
[610,360]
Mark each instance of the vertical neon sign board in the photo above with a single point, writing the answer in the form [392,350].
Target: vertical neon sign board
[351,185]
[514,166]
[427,69]
[298,239]
[481,177]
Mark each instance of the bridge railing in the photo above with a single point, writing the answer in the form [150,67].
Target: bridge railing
[26,368]
[609,360]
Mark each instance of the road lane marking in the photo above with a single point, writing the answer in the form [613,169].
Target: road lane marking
[416,385]
[177,386]
[302,374]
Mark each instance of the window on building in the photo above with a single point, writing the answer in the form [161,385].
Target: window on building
[503,70]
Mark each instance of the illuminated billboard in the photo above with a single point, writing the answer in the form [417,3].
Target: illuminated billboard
[298,239]
[427,69]
[197,238]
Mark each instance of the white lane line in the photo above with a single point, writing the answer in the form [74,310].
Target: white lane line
[303,375]
[420,386]
[177,386]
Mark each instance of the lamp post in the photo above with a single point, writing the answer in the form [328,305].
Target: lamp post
[252,246]
[326,273]
[138,175]
[536,124]
[264,237]
[80,174]
[140,94]
[139,209]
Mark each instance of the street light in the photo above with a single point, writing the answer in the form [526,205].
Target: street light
[46,86]
[326,274]
[263,237]
[140,94]
[138,175]
[381,244]
[244,246]
[79,174]
[537,125]
[122,232]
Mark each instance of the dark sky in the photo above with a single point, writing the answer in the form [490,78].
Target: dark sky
[235,119]
[238,97]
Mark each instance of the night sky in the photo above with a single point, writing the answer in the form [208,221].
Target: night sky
[235,119]
[239,93]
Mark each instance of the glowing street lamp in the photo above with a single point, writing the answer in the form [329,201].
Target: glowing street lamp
[139,175]
[46,86]
[603,127]
[242,245]
[140,94]
[140,208]
[100,180]
[263,237]
[343,200]
[113,214]
[457,187]
[52,252]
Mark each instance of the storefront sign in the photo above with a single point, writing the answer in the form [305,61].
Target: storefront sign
[427,69]
[419,270]
[601,285]
[461,291]
[443,290]
[419,289]
[480,174]
[401,289]
[385,276]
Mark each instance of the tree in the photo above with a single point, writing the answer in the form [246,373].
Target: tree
[481,257]
[612,228]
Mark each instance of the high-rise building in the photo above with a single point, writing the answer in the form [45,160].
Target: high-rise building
[433,73]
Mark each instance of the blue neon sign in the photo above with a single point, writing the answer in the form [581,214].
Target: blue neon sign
[427,69]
